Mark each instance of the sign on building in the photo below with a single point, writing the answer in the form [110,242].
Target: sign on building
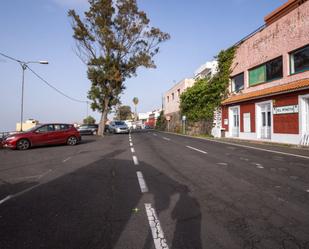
[286,109]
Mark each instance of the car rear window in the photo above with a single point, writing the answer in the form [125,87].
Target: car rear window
[119,123]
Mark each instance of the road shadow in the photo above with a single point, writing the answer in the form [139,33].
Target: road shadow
[171,195]
[91,207]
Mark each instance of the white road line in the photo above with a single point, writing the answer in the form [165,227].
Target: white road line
[307,190]
[135,160]
[131,144]
[67,159]
[168,139]
[132,150]
[19,193]
[141,181]
[155,134]
[192,148]
[155,227]
[5,199]
[244,146]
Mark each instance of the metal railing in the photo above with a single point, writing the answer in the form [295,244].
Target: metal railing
[4,134]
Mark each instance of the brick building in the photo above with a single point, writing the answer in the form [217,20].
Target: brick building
[269,86]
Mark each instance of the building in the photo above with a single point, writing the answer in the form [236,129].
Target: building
[269,86]
[172,96]
[28,124]
[208,69]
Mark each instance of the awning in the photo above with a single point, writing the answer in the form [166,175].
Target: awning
[275,90]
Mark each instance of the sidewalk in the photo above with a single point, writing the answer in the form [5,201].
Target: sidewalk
[276,147]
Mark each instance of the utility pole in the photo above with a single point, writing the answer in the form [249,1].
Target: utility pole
[24,66]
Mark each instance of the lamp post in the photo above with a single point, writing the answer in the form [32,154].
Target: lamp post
[24,66]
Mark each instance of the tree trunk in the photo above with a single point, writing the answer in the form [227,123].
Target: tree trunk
[103,118]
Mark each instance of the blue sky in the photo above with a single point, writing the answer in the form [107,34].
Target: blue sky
[40,30]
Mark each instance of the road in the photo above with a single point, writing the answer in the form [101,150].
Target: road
[152,190]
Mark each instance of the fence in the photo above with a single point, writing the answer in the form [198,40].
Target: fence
[4,134]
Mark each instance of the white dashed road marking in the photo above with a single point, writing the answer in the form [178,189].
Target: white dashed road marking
[155,227]
[67,159]
[165,138]
[192,148]
[135,160]
[248,147]
[132,150]
[155,134]
[5,199]
[131,144]
[141,181]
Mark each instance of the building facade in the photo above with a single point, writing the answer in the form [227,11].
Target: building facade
[269,86]
[172,96]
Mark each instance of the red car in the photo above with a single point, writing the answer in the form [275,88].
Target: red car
[43,135]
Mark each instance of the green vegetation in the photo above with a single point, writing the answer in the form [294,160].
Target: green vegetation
[135,102]
[161,122]
[89,120]
[124,112]
[200,101]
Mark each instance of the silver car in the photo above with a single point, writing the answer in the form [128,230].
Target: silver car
[118,127]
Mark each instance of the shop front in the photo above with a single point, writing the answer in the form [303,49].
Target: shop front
[279,114]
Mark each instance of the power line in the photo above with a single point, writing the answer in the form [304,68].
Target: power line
[56,89]
[45,81]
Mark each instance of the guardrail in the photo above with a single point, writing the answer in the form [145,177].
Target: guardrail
[4,134]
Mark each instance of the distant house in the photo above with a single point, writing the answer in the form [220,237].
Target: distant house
[269,86]
[28,124]
[208,69]
[172,96]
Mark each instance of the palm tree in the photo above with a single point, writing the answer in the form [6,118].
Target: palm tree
[135,102]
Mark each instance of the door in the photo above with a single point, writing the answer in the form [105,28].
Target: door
[44,135]
[235,121]
[265,121]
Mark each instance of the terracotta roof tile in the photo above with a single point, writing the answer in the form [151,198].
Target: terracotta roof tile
[289,87]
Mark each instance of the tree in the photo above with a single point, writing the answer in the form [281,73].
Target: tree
[135,102]
[201,100]
[89,120]
[124,112]
[113,40]
[161,122]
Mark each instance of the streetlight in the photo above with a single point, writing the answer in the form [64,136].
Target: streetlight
[24,66]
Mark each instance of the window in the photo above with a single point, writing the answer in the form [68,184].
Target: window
[238,82]
[168,99]
[300,60]
[178,92]
[46,128]
[274,69]
[173,96]
[61,127]
[269,71]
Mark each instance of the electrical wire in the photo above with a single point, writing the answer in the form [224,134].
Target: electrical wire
[45,81]
[54,88]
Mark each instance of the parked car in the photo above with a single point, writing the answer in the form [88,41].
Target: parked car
[88,129]
[46,134]
[117,127]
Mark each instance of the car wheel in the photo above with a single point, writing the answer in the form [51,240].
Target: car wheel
[72,140]
[23,144]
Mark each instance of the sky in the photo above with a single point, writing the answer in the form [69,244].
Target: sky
[36,30]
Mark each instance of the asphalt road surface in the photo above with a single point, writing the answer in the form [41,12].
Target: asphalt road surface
[152,190]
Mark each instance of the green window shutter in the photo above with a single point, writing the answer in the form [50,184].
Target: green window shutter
[257,75]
